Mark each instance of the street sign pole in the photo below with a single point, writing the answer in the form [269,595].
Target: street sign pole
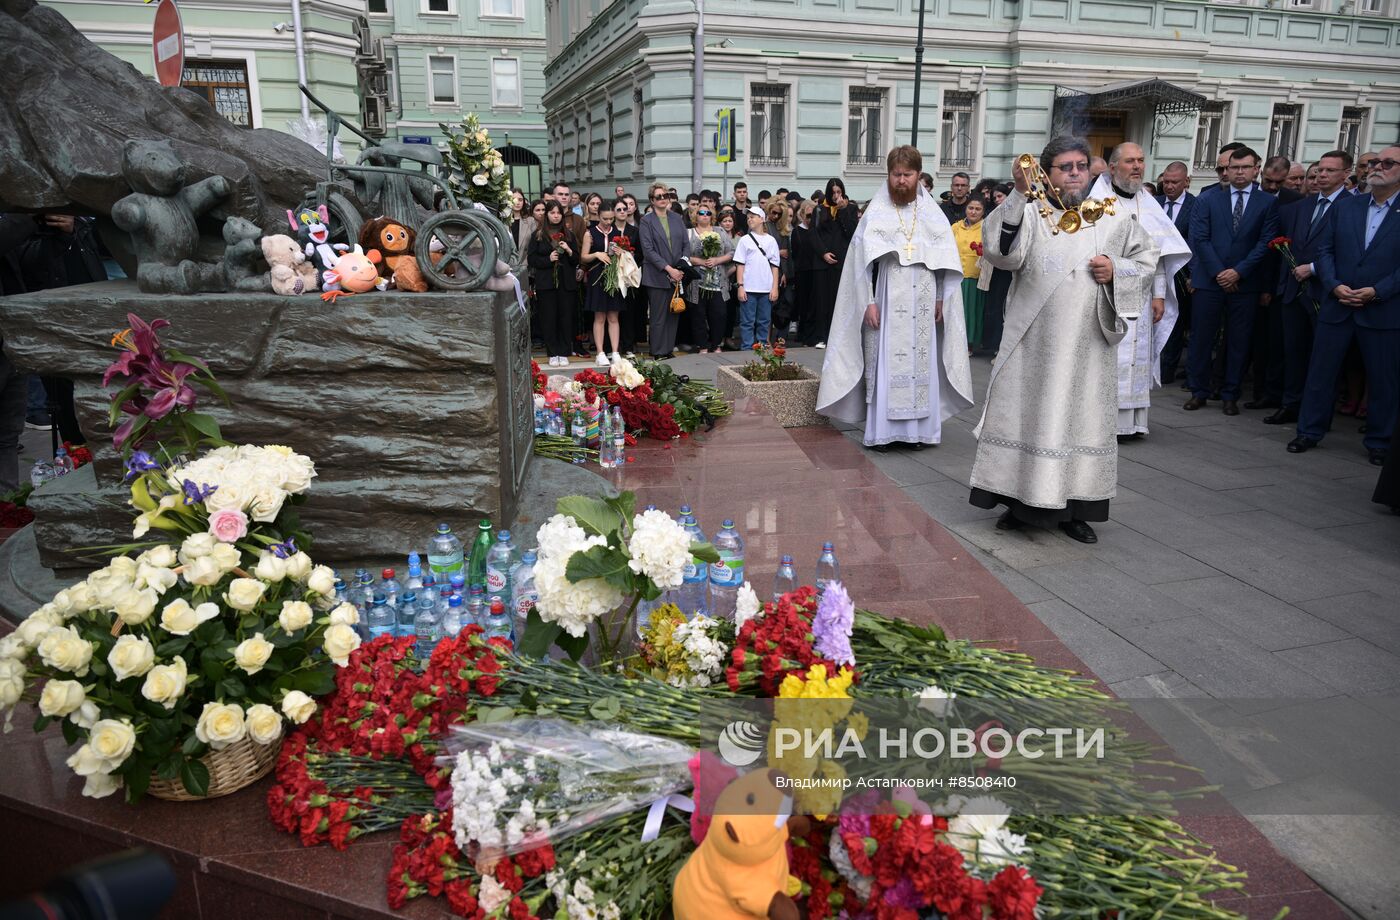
[168,44]
[724,145]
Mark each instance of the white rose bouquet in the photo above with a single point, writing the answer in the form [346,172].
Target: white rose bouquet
[594,556]
[214,629]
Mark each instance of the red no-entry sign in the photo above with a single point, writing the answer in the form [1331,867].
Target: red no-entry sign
[168,42]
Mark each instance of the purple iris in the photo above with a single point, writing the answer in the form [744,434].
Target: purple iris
[138,463]
[195,494]
[284,550]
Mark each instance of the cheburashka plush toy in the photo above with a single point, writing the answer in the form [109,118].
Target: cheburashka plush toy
[740,869]
[290,271]
[394,242]
[355,273]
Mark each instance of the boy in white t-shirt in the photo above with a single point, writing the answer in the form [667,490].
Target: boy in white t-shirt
[756,254]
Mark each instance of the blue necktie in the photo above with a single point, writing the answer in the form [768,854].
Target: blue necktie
[1239,211]
[1322,204]
[1171,205]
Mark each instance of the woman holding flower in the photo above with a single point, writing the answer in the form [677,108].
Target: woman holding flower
[553,259]
[607,236]
[968,234]
[711,249]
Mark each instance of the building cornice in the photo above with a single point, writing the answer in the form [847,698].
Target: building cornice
[471,41]
[242,39]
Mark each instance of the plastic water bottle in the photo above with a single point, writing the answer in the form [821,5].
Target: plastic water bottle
[390,586]
[476,605]
[727,575]
[444,553]
[458,586]
[403,613]
[786,579]
[827,569]
[62,463]
[481,548]
[498,619]
[413,581]
[578,430]
[364,588]
[425,630]
[605,442]
[695,586]
[498,566]
[380,618]
[523,593]
[556,423]
[454,619]
[41,472]
[339,592]
[541,421]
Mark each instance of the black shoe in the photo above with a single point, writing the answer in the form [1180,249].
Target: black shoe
[38,421]
[880,448]
[1284,416]
[1194,403]
[1009,521]
[917,445]
[1376,456]
[1079,530]
[1231,407]
[1263,404]
[1300,444]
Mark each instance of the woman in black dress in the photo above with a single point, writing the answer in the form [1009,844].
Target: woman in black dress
[553,259]
[600,247]
[835,224]
[804,266]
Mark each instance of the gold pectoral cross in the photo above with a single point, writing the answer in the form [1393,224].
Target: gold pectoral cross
[909,250]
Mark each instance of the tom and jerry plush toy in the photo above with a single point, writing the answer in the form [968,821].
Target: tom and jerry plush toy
[355,273]
[740,869]
[311,225]
[290,272]
[394,242]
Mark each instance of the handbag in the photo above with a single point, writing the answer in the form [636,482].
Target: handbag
[677,299]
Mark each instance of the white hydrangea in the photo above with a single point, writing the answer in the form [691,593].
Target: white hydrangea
[573,605]
[659,547]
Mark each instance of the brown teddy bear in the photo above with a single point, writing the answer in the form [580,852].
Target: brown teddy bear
[291,272]
[740,870]
[394,242]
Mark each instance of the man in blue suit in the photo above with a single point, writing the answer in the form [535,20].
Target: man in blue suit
[1358,263]
[1230,234]
[1178,203]
[1300,293]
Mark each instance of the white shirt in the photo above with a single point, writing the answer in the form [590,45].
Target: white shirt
[758,253]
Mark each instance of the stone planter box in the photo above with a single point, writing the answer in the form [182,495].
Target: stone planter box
[792,402]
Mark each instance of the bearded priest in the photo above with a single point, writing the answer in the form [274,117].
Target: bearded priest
[896,358]
[1140,352]
[1046,445]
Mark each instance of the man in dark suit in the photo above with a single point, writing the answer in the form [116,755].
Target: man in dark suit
[663,246]
[1266,350]
[1358,264]
[1300,293]
[1274,177]
[1230,234]
[1178,203]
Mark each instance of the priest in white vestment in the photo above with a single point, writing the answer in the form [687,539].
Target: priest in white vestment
[896,357]
[1140,352]
[1046,445]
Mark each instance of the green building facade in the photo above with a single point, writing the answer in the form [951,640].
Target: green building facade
[824,88]
[445,58]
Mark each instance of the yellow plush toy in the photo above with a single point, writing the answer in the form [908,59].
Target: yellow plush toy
[740,870]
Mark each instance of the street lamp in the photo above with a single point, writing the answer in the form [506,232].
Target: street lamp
[918,74]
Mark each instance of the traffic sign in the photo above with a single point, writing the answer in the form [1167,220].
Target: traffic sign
[724,140]
[168,43]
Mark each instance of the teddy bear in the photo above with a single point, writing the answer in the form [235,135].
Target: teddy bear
[243,256]
[161,215]
[394,242]
[355,272]
[290,272]
[740,869]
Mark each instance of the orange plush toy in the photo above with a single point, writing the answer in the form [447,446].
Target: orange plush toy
[740,870]
[354,273]
[394,242]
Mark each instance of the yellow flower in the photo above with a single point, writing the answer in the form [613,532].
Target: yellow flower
[859,723]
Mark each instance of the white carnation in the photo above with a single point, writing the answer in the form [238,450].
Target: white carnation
[746,605]
[936,700]
[659,547]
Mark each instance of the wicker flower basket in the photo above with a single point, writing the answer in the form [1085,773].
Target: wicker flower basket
[238,765]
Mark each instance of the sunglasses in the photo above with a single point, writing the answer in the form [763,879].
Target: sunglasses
[703,211]
[1080,166]
[1384,164]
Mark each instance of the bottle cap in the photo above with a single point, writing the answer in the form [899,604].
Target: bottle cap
[787,560]
[410,597]
[379,598]
[728,524]
[414,559]
[478,588]
[827,546]
[443,528]
[387,573]
[503,536]
[685,509]
[486,524]
[497,605]
[458,580]
[528,557]
[455,600]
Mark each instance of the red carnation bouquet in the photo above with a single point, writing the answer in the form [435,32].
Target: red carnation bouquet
[1284,247]
[768,648]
